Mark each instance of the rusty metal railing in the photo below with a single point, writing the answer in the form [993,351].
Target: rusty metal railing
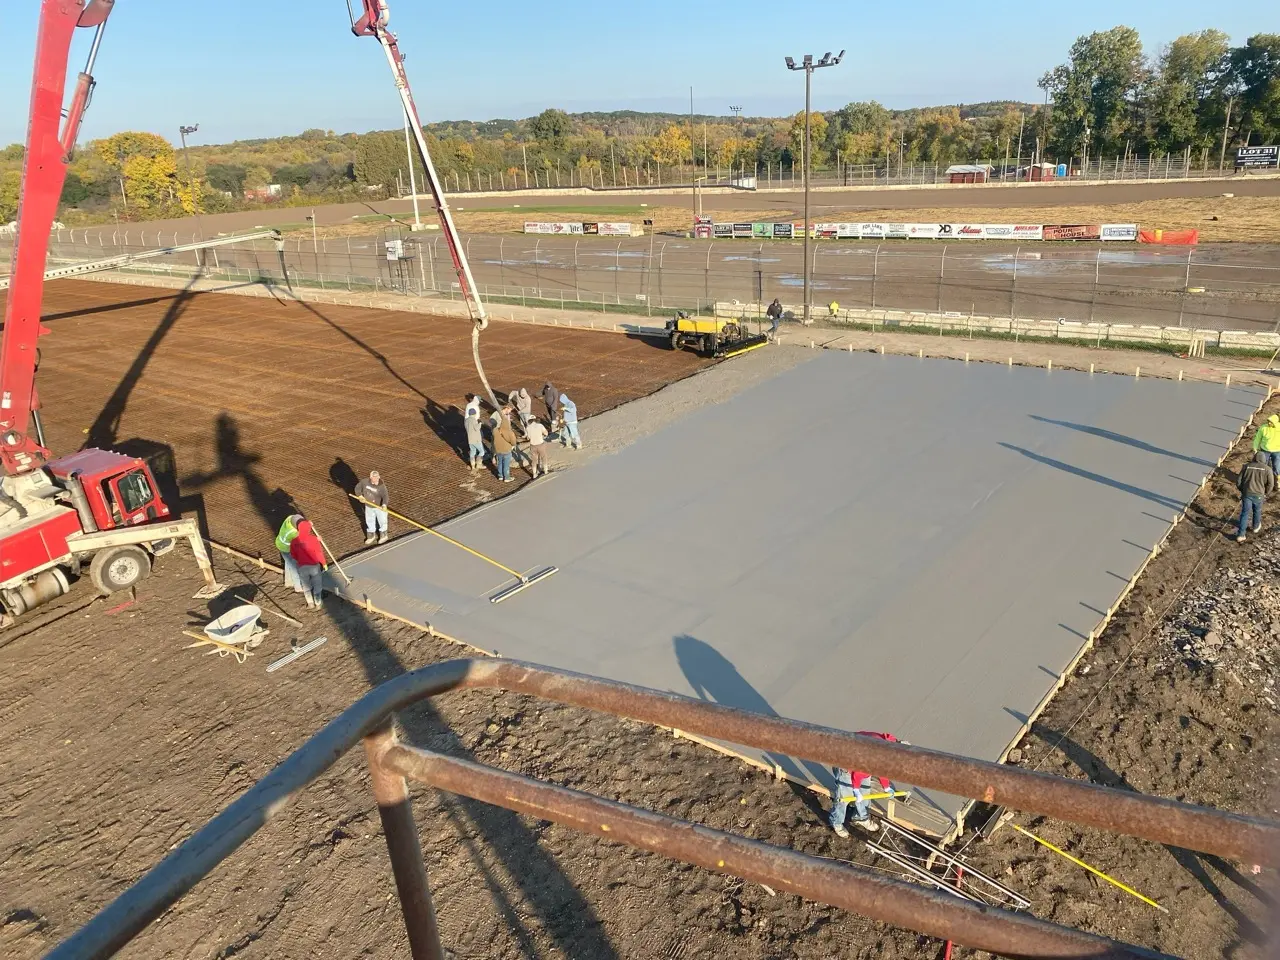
[392,764]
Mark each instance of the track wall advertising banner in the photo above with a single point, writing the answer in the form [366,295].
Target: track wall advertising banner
[1119,231]
[1075,231]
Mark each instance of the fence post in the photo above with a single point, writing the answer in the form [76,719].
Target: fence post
[537,277]
[706,273]
[942,273]
[1186,283]
[875,272]
[617,269]
[1013,290]
[1097,269]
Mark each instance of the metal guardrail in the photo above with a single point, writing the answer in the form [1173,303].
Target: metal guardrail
[891,901]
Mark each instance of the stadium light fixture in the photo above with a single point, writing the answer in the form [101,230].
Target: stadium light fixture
[808,66]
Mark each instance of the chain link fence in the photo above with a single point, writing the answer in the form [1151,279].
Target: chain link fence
[1217,287]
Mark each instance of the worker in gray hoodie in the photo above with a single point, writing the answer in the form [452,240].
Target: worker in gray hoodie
[475,440]
[1256,483]
[524,406]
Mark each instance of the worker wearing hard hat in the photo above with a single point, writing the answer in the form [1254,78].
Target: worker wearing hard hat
[1266,439]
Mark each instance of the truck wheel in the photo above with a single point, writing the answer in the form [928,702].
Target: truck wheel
[118,568]
[675,340]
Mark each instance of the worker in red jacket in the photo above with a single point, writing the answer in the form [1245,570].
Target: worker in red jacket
[308,553]
[850,786]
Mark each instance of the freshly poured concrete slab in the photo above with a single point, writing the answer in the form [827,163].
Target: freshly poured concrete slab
[863,542]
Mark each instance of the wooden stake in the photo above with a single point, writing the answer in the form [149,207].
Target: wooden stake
[1179,375]
[1049,366]
[1137,372]
[920,354]
[1228,379]
[1091,369]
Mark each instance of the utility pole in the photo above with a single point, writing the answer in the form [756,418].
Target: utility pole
[524,152]
[808,66]
[1022,119]
[1222,157]
[613,165]
[413,183]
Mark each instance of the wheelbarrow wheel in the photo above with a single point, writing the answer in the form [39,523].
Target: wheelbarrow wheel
[118,568]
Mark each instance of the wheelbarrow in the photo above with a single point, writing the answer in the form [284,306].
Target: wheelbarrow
[233,633]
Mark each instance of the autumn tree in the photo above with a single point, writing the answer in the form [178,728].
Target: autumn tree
[671,145]
[145,161]
[1254,79]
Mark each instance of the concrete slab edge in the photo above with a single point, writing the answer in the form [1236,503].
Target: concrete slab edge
[1105,621]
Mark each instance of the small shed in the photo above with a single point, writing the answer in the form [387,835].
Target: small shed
[1040,171]
[969,172]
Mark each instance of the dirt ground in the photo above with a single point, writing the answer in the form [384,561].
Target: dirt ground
[115,744]
[256,404]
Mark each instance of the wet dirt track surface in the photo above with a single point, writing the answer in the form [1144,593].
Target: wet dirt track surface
[261,404]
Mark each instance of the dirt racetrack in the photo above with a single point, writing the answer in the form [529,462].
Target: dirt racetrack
[249,405]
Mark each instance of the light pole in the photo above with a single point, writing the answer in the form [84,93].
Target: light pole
[808,66]
[186,157]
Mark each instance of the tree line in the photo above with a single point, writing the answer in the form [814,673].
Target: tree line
[1109,98]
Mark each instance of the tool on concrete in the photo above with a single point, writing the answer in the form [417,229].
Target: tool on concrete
[711,336]
[1094,870]
[295,653]
[526,580]
[330,553]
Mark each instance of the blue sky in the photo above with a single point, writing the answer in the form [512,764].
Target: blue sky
[250,69]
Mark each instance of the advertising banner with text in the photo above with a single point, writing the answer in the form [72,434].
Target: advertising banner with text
[1119,231]
[1074,231]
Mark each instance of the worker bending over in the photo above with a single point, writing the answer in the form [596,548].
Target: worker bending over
[284,540]
[308,553]
[851,787]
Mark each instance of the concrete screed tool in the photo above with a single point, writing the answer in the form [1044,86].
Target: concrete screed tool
[525,579]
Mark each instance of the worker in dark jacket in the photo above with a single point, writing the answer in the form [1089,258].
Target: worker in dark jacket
[549,396]
[1256,484]
[374,492]
[774,313]
[308,553]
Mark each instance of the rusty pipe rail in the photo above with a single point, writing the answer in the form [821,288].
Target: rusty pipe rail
[1162,821]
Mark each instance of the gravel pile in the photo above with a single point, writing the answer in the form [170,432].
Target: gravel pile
[1231,623]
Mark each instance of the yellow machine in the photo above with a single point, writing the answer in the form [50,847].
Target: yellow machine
[712,336]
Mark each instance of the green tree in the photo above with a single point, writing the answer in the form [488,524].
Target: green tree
[817,137]
[1095,93]
[379,156]
[10,186]
[74,192]
[551,127]
[1186,90]
[1254,79]
[228,177]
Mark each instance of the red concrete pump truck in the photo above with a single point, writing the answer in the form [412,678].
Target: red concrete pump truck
[94,507]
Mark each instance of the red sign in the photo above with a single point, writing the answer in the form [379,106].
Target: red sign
[1092,231]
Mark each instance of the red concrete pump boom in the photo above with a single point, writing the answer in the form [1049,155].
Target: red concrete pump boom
[44,170]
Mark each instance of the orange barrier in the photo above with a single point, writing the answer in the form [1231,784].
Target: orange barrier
[1182,237]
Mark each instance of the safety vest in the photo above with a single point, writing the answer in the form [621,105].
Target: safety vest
[285,537]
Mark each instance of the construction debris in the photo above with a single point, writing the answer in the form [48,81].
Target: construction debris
[1231,623]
